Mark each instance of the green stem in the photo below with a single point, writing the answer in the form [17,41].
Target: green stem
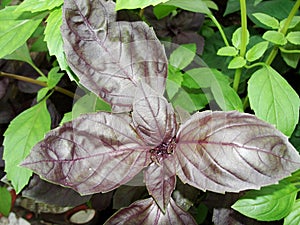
[238,72]
[290,17]
[38,70]
[284,29]
[40,83]
[218,25]
[244,27]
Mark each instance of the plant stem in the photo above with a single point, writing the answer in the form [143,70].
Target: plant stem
[283,30]
[40,83]
[218,25]
[238,72]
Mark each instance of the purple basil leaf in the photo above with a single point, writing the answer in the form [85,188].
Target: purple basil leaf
[110,58]
[147,212]
[3,86]
[161,180]
[125,195]
[153,117]
[93,153]
[187,37]
[42,191]
[232,151]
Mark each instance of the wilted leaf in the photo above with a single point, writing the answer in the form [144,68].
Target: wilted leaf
[147,212]
[22,134]
[231,151]
[161,180]
[268,204]
[113,56]
[273,99]
[93,153]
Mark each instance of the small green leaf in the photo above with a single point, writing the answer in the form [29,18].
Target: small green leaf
[10,26]
[175,78]
[275,37]
[54,40]
[294,37]
[135,4]
[293,218]
[38,5]
[86,104]
[5,201]
[237,38]
[270,203]
[54,77]
[293,23]
[198,6]
[237,62]
[257,51]
[42,93]
[267,20]
[223,93]
[291,59]
[228,51]
[23,133]
[182,56]
[161,11]
[273,99]
[21,54]
[211,4]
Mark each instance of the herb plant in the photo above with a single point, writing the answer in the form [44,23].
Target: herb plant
[146,134]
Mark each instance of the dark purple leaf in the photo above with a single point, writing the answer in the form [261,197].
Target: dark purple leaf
[153,117]
[93,153]
[125,195]
[109,57]
[161,180]
[190,37]
[3,86]
[42,191]
[232,151]
[101,201]
[147,212]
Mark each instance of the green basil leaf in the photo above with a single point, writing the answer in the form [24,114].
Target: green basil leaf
[135,4]
[257,51]
[275,37]
[191,5]
[271,203]
[294,37]
[273,99]
[5,203]
[228,51]
[293,218]
[267,20]
[182,56]
[22,134]
[237,62]
[38,5]
[237,38]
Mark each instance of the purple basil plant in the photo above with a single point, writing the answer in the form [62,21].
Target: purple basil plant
[125,64]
